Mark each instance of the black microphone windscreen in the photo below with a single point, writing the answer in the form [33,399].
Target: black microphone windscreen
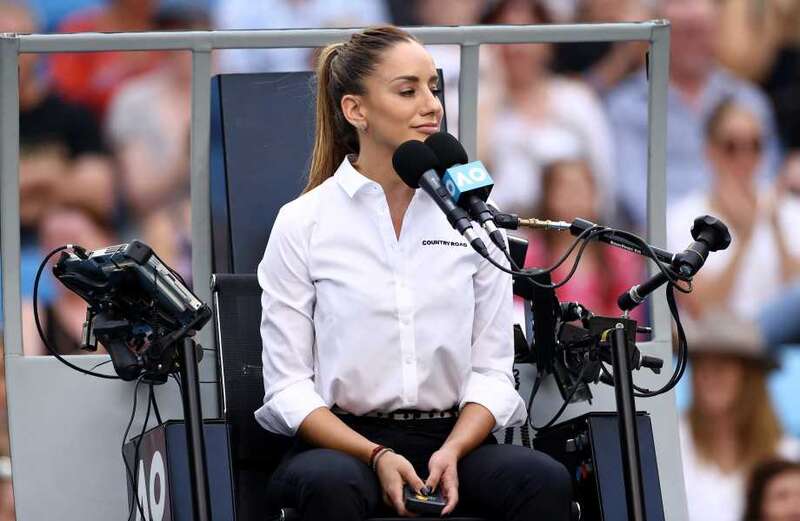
[447,148]
[412,159]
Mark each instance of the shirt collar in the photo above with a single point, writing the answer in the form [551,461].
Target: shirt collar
[350,179]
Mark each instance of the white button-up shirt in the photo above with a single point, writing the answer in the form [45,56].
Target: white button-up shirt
[354,316]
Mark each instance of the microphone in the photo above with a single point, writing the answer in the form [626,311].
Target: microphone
[710,234]
[468,183]
[416,164]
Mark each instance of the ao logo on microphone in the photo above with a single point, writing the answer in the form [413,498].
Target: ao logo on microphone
[461,179]
[152,492]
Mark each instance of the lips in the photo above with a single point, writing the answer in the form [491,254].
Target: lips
[428,129]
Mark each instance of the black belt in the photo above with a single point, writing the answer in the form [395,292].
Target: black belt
[403,414]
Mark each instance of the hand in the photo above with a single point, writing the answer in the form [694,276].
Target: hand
[443,467]
[393,471]
[739,207]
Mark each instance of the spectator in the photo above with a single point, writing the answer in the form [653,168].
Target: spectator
[697,85]
[730,426]
[63,159]
[295,14]
[569,190]
[764,255]
[538,117]
[62,319]
[153,148]
[773,493]
[603,64]
[92,78]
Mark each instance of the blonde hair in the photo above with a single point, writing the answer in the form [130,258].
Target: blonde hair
[341,70]
[758,430]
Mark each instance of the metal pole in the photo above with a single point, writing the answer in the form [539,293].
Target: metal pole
[200,191]
[658,73]
[628,435]
[9,193]
[468,99]
[195,440]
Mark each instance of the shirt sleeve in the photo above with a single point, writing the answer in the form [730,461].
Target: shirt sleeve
[287,328]
[491,383]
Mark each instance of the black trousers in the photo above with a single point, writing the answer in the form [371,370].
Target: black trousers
[497,482]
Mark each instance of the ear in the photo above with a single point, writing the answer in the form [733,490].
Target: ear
[354,110]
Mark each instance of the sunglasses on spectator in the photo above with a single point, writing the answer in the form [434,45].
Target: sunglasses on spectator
[736,147]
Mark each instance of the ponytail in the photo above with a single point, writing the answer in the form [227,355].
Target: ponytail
[341,69]
[328,150]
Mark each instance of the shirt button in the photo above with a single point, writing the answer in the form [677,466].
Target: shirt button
[405,320]
[409,360]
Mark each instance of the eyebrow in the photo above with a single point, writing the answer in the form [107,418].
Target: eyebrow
[413,78]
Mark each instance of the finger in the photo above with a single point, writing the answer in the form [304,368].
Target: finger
[414,481]
[451,493]
[396,497]
[433,478]
[450,490]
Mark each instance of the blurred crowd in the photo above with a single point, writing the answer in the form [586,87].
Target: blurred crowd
[104,143]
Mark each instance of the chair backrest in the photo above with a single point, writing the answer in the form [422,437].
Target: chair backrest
[254,451]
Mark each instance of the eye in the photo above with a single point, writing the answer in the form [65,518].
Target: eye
[407,93]
[436,89]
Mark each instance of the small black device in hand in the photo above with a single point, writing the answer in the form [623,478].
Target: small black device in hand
[430,503]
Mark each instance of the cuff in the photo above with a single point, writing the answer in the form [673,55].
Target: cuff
[497,395]
[285,410]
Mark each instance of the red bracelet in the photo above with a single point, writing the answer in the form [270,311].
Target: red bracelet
[375,452]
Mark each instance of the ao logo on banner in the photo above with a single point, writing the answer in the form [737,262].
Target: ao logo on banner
[461,179]
[152,490]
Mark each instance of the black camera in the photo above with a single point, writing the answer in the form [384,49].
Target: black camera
[138,308]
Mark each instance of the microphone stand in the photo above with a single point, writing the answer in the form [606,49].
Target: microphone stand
[628,431]
[712,235]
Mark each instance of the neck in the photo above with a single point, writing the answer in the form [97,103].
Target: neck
[376,164]
[690,85]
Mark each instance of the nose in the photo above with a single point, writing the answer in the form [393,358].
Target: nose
[431,105]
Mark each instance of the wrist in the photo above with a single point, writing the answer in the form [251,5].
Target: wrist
[379,454]
[456,448]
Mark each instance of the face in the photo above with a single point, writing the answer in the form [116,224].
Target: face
[400,101]
[571,192]
[71,226]
[693,35]
[735,148]
[536,57]
[715,380]
[782,498]
[18,20]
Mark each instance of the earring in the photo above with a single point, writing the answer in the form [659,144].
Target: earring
[364,127]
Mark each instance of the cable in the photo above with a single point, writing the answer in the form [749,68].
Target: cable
[683,355]
[95,366]
[155,405]
[131,480]
[585,236]
[139,445]
[563,408]
[39,324]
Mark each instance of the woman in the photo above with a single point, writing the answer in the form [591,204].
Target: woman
[364,326]
[730,426]
[764,256]
[773,493]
